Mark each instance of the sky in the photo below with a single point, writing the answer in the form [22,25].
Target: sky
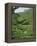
[21,9]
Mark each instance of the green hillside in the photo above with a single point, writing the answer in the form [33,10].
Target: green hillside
[21,25]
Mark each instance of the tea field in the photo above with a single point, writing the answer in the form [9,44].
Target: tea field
[21,25]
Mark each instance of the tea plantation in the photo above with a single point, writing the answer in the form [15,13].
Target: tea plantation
[21,25]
